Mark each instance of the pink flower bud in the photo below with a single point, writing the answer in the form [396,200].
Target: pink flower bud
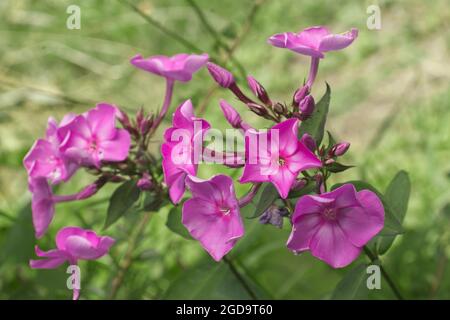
[307,106]
[339,149]
[258,90]
[87,192]
[309,142]
[300,94]
[232,116]
[223,77]
[145,182]
[256,108]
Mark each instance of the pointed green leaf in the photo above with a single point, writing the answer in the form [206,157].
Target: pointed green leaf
[315,124]
[122,200]
[174,223]
[397,195]
[353,285]
[337,167]
[266,197]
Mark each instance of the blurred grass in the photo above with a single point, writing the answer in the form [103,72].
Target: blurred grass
[390,99]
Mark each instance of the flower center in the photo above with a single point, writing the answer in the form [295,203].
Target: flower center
[281,162]
[329,214]
[225,211]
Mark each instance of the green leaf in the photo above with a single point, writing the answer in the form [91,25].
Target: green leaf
[397,195]
[391,224]
[337,167]
[210,280]
[122,200]
[174,223]
[18,246]
[331,141]
[315,124]
[268,196]
[307,189]
[353,285]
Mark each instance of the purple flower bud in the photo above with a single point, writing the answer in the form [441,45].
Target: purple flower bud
[274,216]
[309,142]
[339,149]
[256,108]
[329,162]
[279,108]
[299,184]
[223,77]
[307,106]
[139,117]
[258,90]
[88,191]
[123,118]
[230,113]
[145,182]
[300,94]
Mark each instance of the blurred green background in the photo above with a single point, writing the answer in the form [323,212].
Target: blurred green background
[390,99]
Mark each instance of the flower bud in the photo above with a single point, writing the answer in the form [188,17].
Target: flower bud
[300,94]
[256,108]
[258,90]
[339,149]
[223,77]
[309,142]
[274,216]
[145,182]
[123,118]
[279,108]
[232,116]
[88,191]
[307,106]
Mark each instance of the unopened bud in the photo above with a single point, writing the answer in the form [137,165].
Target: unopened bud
[87,192]
[258,90]
[232,116]
[256,108]
[222,76]
[145,182]
[300,94]
[339,149]
[309,142]
[123,118]
[307,106]
[274,216]
[279,108]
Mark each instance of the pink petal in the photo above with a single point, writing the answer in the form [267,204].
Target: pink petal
[51,263]
[102,121]
[302,232]
[360,224]
[42,205]
[177,187]
[116,149]
[312,36]
[338,41]
[287,135]
[345,196]
[332,246]
[302,159]
[217,234]
[283,181]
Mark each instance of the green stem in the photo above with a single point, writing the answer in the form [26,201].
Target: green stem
[386,276]
[239,277]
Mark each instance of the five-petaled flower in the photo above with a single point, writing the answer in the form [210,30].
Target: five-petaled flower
[180,67]
[93,137]
[212,214]
[280,159]
[182,141]
[313,41]
[73,244]
[335,226]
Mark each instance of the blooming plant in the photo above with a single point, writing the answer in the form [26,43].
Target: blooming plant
[286,167]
